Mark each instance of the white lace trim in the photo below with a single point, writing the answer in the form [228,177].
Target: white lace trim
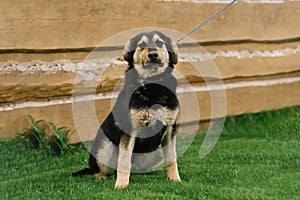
[92,66]
[55,66]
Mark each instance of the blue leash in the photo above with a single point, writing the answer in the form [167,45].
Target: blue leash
[209,19]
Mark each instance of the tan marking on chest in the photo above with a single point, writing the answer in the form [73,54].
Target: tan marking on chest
[149,116]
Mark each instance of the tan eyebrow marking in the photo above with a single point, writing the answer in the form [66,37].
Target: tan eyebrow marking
[157,38]
[143,39]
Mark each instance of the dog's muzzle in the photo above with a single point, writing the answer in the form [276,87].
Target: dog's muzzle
[153,61]
[153,55]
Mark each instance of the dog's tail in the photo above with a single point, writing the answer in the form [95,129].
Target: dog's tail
[85,171]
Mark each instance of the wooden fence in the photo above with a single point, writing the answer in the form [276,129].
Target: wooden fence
[255,46]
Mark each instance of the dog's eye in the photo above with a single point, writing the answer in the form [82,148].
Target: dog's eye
[143,45]
[159,43]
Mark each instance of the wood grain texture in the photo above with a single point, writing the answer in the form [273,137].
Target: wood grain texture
[249,43]
[73,24]
[239,99]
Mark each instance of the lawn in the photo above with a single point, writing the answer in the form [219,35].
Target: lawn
[256,157]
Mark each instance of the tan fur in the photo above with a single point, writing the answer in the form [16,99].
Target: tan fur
[126,50]
[141,118]
[175,49]
[100,175]
[146,116]
[122,179]
[169,150]
[163,54]
[172,172]
[102,157]
[124,161]
[140,57]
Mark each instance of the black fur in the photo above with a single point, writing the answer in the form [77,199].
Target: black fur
[136,94]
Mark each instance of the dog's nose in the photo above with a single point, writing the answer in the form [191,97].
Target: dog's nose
[153,55]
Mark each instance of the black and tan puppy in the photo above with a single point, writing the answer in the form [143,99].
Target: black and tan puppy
[143,119]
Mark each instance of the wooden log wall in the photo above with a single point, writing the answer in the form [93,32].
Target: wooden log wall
[255,46]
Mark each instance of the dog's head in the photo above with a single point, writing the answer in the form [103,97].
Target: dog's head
[151,53]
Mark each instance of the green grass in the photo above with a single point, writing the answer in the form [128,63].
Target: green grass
[257,157]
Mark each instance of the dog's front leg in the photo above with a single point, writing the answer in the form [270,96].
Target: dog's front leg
[124,161]
[169,149]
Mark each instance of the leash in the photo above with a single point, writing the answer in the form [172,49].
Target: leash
[208,20]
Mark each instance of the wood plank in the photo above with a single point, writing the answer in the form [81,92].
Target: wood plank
[255,47]
[47,79]
[241,97]
[71,24]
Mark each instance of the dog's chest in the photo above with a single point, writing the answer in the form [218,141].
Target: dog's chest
[149,116]
[152,103]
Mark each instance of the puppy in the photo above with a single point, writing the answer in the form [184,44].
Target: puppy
[142,123]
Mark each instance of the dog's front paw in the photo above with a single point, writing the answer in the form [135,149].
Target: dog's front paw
[172,172]
[122,180]
[121,185]
[174,177]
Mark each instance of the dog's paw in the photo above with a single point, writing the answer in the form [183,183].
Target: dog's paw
[100,175]
[174,177]
[121,185]
[122,180]
[172,173]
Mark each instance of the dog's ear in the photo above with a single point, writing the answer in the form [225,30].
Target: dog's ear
[174,53]
[127,49]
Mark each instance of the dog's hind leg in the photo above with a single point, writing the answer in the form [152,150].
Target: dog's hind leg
[85,171]
[169,149]
[88,171]
[100,175]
